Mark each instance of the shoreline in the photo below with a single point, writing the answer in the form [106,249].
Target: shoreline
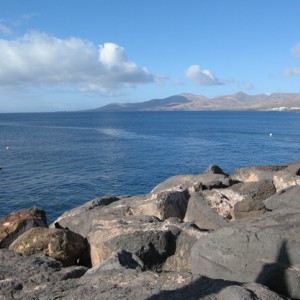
[213,225]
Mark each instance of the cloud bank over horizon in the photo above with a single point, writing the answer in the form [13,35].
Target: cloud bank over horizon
[39,59]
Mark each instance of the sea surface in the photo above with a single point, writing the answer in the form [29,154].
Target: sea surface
[58,161]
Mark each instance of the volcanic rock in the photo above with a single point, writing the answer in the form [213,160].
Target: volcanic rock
[63,245]
[18,222]
[285,199]
[265,250]
[162,205]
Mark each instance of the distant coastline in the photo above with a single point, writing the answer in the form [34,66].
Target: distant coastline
[190,102]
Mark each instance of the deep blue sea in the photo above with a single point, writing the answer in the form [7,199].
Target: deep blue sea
[58,161]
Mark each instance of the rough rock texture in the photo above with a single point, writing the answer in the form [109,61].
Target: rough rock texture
[255,173]
[244,199]
[162,205]
[200,212]
[188,223]
[43,278]
[181,260]
[21,276]
[283,180]
[206,180]
[80,218]
[285,199]
[264,250]
[122,259]
[18,222]
[149,239]
[63,245]
[294,168]
[253,193]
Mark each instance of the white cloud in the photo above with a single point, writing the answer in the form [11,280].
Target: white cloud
[296,50]
[201,77]
[291,71]
[39,59]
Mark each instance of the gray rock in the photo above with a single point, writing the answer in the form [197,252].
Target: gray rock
[255,173]
[294,168]
[264,250]
[253,193]
[122,259]
[16,223]
[63,245]
[285,199]
[80,218]
[284,179]
[181,260]
[206,180]
[214,169]
[152,241]
[200,212]
[162,205]
[244,199]
[132,284]
[19,276]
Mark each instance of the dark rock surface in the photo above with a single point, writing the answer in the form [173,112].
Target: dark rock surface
[254,193]
[147,237]
[21,276]
[199,211]
[207,180]
[43,278]
[264,250]
[285,199]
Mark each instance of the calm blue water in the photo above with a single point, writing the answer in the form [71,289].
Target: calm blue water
[60,160]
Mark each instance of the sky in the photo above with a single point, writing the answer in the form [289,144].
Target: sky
[65,55]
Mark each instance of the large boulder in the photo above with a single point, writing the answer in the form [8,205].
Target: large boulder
[254,193]
[79,219]
[255,173]
[63,245]
[244,199]
[181,260]
[213,177]
[294,168]
[16,223]
[201,213]
[284,179]
[264,250]
[285,199]
[162,205]
[151,240]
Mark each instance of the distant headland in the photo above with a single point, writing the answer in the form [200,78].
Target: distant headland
[191,102]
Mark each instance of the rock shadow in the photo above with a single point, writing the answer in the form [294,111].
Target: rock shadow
[198,289]
[274,275]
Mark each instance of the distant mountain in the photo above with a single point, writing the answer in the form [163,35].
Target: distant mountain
[191,102]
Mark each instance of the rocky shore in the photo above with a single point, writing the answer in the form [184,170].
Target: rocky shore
[207,236]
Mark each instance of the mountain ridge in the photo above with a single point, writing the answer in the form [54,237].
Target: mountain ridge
[192,102]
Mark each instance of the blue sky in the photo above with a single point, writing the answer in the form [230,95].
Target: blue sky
[80,54]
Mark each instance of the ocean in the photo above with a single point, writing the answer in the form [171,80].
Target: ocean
[58,161]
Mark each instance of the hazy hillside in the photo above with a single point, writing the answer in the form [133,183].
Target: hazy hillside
[191,102]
